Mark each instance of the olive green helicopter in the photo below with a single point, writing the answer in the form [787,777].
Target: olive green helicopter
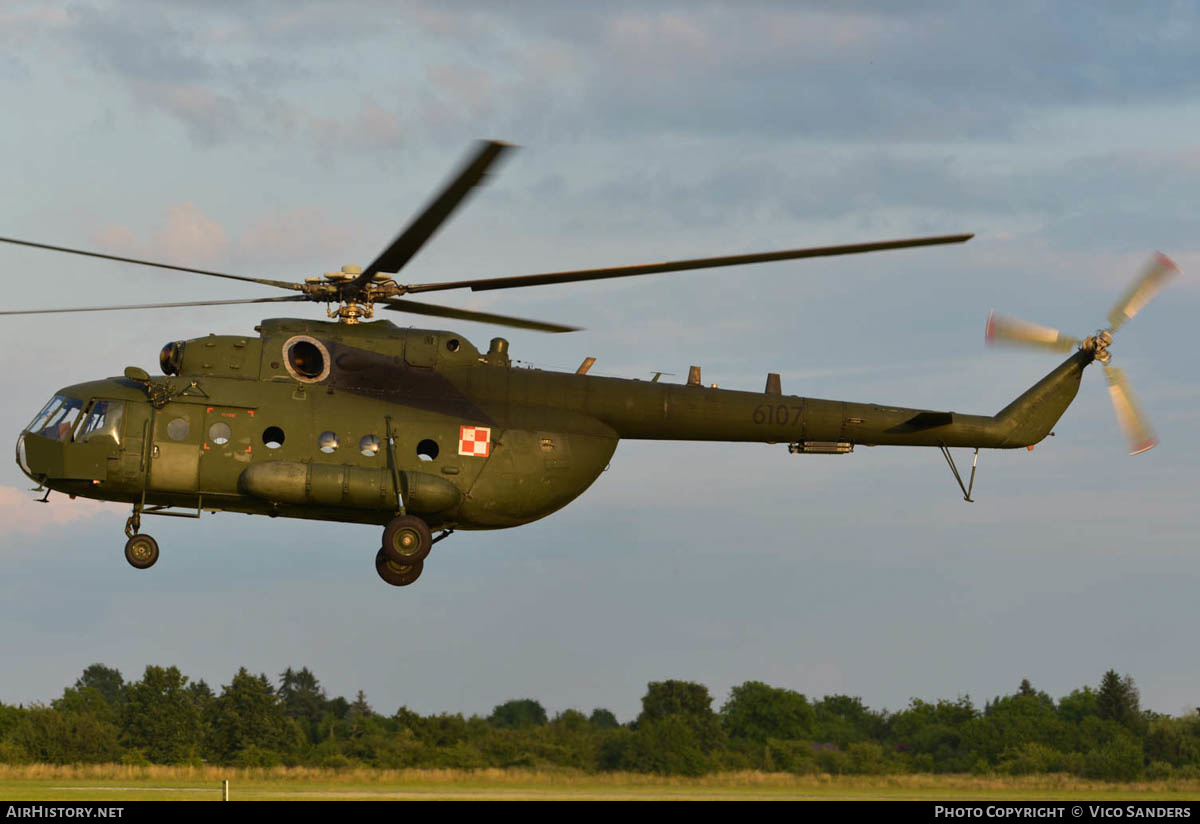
[418,431]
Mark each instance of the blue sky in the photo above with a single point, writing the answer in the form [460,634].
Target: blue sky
[286,139]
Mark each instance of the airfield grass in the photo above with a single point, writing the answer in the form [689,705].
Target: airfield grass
[115,782]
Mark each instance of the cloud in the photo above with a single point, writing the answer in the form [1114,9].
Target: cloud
[189,236]
[307,236]
[22,515]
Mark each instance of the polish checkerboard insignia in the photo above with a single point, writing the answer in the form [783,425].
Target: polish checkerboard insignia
[475,441]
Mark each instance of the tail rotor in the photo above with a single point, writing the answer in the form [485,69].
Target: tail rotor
[1008,331]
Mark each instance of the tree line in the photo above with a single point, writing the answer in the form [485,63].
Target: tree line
[167,718]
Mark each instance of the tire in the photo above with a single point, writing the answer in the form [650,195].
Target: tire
[141,551]
[407,540]
[398,575]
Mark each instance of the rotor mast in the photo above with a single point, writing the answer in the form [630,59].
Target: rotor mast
[348,305]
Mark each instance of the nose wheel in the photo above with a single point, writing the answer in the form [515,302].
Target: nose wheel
[141,551]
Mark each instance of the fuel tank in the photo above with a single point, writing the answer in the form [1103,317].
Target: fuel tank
[343,485]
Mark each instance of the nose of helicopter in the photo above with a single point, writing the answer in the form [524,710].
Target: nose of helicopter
[23,458]
[40,446]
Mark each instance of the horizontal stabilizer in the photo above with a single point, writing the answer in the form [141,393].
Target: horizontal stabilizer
[925,420]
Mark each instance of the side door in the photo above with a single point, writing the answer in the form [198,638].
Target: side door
[175,452]
[227,448]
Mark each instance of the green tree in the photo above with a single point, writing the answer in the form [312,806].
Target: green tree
[685,700]
[757,712]
[88,700]
[603,719]
[1077,706]
[667,745]
[302,698]
[106,680]
[518,714]
[1118,700]
[10,716]
[248,715]
[841,719]
[937,731]
[46,735]
[161,718]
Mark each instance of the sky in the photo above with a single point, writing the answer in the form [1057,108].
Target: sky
[285,139]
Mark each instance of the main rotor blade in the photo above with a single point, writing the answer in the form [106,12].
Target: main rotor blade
[1003,329]
[156,305]
[418,308]
[410,241]
[1160,270]
[482,284]
[279,283]
[1129,414]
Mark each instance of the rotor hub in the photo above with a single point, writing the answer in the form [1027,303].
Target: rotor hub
[1098,345]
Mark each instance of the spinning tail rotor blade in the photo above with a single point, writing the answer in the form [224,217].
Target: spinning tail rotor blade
[1129,414]
[1002,329]
[1161,269]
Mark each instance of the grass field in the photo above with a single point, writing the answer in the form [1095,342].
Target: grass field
[42,782]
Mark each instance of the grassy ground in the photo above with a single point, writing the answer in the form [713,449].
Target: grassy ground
[41,782]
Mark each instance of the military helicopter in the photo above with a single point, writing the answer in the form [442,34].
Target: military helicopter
[418,431]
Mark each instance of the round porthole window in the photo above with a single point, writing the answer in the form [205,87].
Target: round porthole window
[219,433]
[328,442]
[273,437]
[306,359]
[369,445]
[427,450]
[178,429]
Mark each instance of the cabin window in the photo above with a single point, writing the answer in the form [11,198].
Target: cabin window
[57,418]
[178,429]
[220,433]
[369,445]
[427,450]
[328,442]
[273,437]
[103,422]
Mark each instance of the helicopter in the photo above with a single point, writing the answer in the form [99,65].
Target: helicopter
[419,431]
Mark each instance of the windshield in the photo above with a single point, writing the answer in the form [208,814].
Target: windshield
[56,420]
[103,422]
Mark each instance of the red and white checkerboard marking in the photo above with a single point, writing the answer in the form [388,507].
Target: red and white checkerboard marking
[475,441]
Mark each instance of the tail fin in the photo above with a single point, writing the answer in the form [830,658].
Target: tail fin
[1030,417]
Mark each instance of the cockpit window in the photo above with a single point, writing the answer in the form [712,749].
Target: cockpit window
[57,419]
[103,422]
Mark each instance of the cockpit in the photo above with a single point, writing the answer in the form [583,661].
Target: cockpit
[66,420]
[57,420]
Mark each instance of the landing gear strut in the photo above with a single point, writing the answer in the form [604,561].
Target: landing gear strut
[141,551]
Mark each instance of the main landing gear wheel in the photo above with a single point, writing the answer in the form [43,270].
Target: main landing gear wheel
[141,551]
[407,540]
[398,575]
